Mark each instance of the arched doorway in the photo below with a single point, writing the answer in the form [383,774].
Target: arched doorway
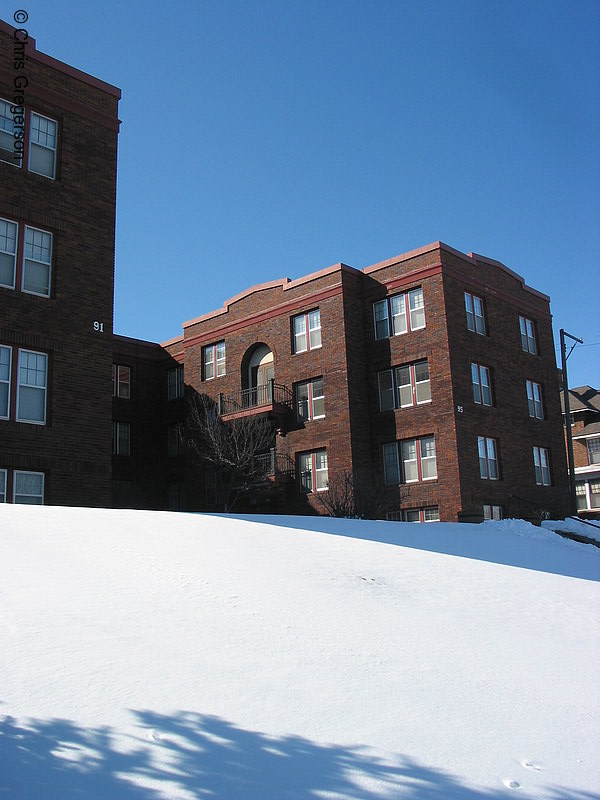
[261,372]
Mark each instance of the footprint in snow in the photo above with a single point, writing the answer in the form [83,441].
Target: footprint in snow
[531,765]
[510,784]
[155,736]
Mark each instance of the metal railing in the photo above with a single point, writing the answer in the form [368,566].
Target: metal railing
[274,465]
[270,393]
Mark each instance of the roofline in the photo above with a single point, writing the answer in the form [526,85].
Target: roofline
[475,258]
[36,55]
[284,283]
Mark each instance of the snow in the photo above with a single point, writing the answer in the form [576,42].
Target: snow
[154,655]
[590,529]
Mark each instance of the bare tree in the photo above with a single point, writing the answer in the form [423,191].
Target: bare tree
[355,496]
[238,449]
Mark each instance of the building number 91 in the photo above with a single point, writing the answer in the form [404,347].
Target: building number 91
[99,327]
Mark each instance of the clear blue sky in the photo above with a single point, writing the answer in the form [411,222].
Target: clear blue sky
[270,139]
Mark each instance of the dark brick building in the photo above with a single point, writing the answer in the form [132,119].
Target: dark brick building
[58,151]
[429,378]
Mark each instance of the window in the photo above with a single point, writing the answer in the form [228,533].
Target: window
[528,340]
[310,400]
[176,495]
[417,457]
[488,458]
[121,381]
[8,252]
[31,387]
[541,463]
[588,494]
[406,312]
[175,385]
[28,488]
[534,400]
[404,386]
[581,495]
[2,486]
[213,361]
[174,443]
[7,138]
[5,370]
[594,493]
[36,262]
[482,384]
[302,323]
[492,512]
[42,145]
[313,471]
[121,439]
[426,514]
[593,445]
[475,313]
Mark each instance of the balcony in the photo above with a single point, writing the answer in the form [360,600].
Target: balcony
[274,466]
[273,400]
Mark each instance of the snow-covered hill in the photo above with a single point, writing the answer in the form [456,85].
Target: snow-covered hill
[155,655]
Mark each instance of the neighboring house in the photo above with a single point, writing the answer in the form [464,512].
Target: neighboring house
[430,377]
[584,402]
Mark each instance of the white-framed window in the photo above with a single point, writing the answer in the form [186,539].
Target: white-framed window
[541,462]
[594,493]
[306,331]
[534,400]
[8,143]
[28,487]
[121,381]
[312,469]
[410,460]
[492,512]
[310,399]
[528,337]
[32,386]
[482,384]
[175,384]
[8,252]
[42,145]
[488,458]
[425,514]
[3,487]
[213,361]
[5,375]
[593,448]
[121,438]
[37,257]
[404,386]
[581,496]
[475,313]
[398,314]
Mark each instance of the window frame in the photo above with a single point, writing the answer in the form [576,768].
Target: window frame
[33,144]
[479,385]
[119,382]
[7,382]
[217,361]
[311,398]
[542,471]
[492,512]
[21,385]
[399,307]
[37,261]
[395,458]
[310,333]
[393,375]
[421,512]
[14,254]
[117,440]
[310,457]
[476,323]
[593,450]
[489,444]
[3,485]
[535,405]
[175,387]
[20,472]
[527,329]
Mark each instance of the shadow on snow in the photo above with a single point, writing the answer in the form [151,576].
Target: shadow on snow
[194,757]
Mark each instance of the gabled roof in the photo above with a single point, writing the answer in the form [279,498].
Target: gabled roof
[583,398]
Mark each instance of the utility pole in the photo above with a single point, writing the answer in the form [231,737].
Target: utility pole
[570,457]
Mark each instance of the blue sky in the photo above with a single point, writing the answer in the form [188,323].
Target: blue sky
[268,139]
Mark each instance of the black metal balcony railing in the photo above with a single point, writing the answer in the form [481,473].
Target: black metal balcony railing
[268,394]
[274,465]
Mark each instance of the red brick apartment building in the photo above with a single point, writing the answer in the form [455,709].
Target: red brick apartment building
[58,157]
[430,377]
[584,404]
